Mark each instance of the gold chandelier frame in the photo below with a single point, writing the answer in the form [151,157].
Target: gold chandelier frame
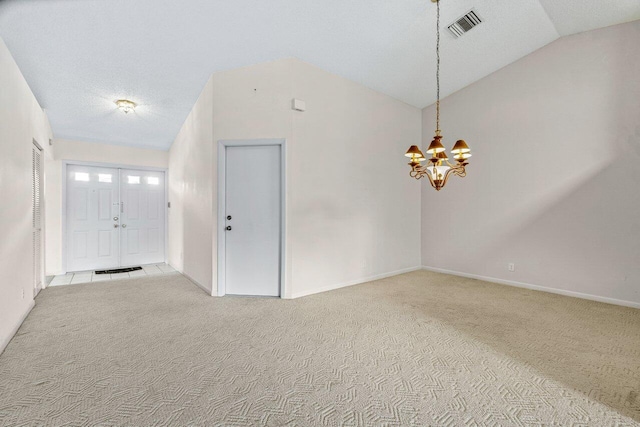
[438,170]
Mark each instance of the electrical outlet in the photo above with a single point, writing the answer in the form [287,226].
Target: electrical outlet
[511,267]
[23,294]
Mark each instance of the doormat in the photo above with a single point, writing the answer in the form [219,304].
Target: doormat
[118,270]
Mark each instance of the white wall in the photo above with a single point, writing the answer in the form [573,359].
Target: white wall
[352,213]
[84,152]
[190,182]
[553,185]
[21,121]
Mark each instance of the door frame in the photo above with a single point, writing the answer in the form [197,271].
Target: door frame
[43,216]
[222,176]
[66,163]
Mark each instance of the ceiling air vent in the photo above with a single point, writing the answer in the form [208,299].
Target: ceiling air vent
[464,24]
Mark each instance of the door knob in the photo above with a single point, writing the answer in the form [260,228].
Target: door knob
[228,228]
[115,225]
[228,217]
[124,225]
[115,218]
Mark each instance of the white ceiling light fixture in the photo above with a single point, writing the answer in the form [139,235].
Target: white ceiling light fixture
[126,105]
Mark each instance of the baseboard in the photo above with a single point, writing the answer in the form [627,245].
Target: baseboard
[537,287]
[6,341]
[195,282]
[353,282]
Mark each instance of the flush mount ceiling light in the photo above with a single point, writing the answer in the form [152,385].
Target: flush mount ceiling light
[126,105]
[438,169]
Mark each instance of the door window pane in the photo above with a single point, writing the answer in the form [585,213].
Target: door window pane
[133,179]
[104,177]
[82,176]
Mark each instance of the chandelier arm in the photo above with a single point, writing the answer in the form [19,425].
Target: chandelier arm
[431,181]
[447,174]
[460,170]
[433,184]
[419,172]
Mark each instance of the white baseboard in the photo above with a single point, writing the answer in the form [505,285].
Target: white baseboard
[195,282]
[537,287]
[6,340]
[353,282]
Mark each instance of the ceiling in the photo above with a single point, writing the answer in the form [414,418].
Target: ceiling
[80,56]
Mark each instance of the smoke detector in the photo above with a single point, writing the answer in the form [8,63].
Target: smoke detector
[464,24]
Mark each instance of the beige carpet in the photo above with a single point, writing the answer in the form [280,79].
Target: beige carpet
[413,350]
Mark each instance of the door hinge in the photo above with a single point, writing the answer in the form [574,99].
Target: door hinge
[168,204]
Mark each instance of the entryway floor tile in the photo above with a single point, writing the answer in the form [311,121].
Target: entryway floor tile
[166,268]
[81,278]
[89,276]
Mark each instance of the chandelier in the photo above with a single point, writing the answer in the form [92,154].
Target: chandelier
[438,169]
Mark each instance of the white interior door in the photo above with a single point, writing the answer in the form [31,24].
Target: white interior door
[93,210]
[252,204]
[142,222]
[37,199]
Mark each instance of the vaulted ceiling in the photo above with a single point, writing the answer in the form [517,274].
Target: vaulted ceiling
[80,56]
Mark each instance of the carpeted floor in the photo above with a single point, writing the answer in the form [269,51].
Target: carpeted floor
[413,350]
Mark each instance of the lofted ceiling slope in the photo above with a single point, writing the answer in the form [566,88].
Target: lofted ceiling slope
[80,56]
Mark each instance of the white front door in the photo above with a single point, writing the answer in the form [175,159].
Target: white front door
[93,208]
[115,217]
[142,217]
[253,203]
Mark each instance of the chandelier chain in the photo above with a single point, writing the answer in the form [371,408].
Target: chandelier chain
[438,65]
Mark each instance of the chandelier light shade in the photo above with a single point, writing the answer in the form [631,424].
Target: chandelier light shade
[438,169]
[414,151]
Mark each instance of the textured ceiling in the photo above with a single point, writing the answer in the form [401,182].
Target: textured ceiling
[80,56]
